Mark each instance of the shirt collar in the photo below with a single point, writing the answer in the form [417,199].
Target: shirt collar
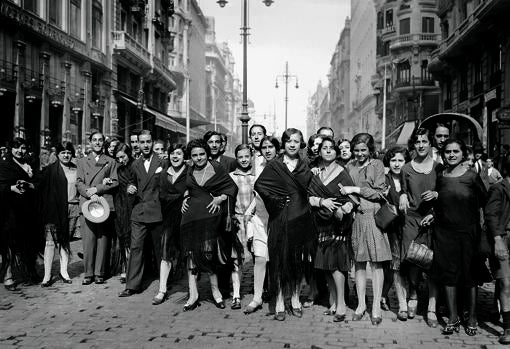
[239,172]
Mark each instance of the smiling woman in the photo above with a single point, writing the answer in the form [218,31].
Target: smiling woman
[206,243]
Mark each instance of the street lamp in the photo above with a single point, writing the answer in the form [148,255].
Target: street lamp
[286,77]
[245,117]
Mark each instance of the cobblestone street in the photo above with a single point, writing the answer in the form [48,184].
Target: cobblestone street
[77,316]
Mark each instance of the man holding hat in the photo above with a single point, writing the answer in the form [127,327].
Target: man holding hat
[146,217]
[96,179]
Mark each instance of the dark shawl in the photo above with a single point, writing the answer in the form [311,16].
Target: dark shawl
[123,206]
[201,230]
[53,204]
[325,221]
[291,230]
[19,237]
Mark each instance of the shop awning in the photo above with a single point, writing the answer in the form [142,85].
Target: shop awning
[161,120]
[405,134]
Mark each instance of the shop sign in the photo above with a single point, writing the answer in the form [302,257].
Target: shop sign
[492,94]
[503,115]
[29,21]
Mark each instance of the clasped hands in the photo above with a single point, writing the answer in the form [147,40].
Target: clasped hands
[213,207]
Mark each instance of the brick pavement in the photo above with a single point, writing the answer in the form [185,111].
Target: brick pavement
[77,316]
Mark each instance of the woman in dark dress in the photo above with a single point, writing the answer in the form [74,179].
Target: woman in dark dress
[283,186]
[204,224]
[457,228]
[395,159]
[19,239]
[172,187]
[59,210]
[416,201]
[333,216]
[123,207]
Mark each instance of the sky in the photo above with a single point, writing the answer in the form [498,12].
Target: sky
[302,32]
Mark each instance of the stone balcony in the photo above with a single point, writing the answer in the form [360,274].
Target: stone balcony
[163,71]
[131,49]
[406,40]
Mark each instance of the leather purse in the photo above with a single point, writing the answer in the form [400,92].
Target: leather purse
[385,215]
[420,254]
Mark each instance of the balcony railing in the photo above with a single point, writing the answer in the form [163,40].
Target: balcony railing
[416,82]
[388,29]
[124,41]
[410,39]
[8,71]
[162,68]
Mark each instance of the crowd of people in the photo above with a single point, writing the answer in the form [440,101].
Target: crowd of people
[304,212]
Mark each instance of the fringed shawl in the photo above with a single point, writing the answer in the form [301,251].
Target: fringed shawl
[291,230]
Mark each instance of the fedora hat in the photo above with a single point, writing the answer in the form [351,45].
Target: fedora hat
[96,212]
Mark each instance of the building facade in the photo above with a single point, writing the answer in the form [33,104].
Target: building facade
[54,69]
[339,85]
[362,68]
[318,113]
[472,65]
[407,33]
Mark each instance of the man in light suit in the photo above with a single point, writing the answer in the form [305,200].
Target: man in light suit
[96,176]
[146,217]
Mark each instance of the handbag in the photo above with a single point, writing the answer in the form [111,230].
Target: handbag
[420,254]
[385,215]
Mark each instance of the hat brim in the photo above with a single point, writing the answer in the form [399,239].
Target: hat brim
[96,212]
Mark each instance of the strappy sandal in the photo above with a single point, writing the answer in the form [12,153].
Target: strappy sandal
[450,328]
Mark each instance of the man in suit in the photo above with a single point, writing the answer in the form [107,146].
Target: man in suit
[213,139]
[146,217]
[96,176]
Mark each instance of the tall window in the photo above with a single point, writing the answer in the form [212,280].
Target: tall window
[380,20]
[405,26]
[389,18]
[75,18]
[97,24]
[30,5]
[404,72]
[54,9]
[427,25]
[477,70]
[425,75]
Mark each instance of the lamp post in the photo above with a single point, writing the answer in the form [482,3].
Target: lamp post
[245,117]
[286,77]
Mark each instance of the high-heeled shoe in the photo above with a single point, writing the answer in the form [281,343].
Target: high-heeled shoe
[190,307]
[157,301]
[46,284]
[251,309]
[220,304]
[64,280]
[450,328]
[358,317]
[376,320]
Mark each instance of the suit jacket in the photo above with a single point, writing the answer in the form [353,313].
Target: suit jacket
[229,164]
[147,207]
[91,174]
[497,209]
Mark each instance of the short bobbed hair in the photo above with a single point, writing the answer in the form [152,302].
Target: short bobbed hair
[397,149]
[329,139]
[273,140]
[289,132]
[365,138]
[243,147]
[198,143]
[176,146]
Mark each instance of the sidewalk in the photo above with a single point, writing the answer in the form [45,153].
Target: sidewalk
[77,316]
